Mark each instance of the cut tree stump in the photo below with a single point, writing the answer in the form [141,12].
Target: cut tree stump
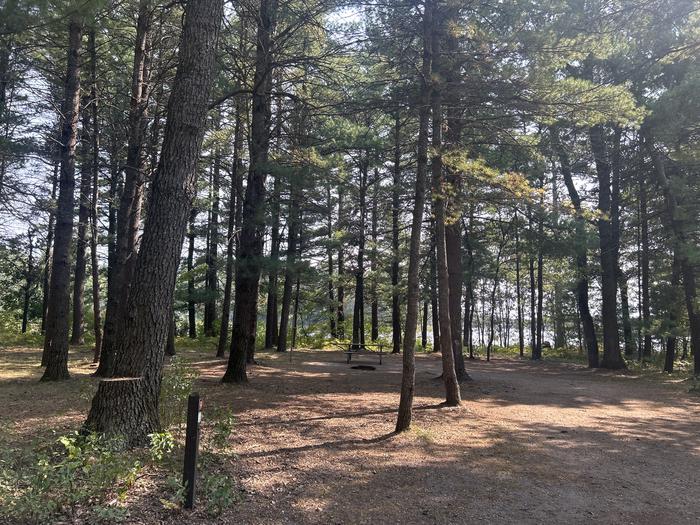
[119,409]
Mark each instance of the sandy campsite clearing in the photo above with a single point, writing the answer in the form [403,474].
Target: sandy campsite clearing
[313,443]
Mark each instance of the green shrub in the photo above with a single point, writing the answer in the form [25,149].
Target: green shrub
[218,492]
[78,472]
[175,388]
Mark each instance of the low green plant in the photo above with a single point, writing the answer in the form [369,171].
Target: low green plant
[175,491]
[162,444]
[46,483]
[218,492]
[175,388]
[222,425]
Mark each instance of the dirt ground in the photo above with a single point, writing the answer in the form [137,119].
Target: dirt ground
[532,443]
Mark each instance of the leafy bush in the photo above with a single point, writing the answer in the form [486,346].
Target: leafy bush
[162,444]
[78,472]
[175,388]
[219,493]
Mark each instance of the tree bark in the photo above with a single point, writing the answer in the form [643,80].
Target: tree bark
[537,353]
[673,315]
[341,269]
[56,339]
[86,175]
[128,406]
[191,304]
[612,357]
[646,302]
[28,281]
[95,165]
[290,272]
[395,268]
[617,226]
[130,203]
[271,321]
[358,319]
[253,225]
[518,292]
[212,276]
[331,298]
[439,201]
[49,250]
[235,194]
[589,334]
[374,333]
[408,379]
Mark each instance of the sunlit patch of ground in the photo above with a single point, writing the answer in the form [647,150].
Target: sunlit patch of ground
[313,442]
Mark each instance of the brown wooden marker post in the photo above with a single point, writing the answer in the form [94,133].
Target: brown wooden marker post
[189,471]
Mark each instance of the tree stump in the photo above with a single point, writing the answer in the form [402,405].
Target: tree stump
[120,409]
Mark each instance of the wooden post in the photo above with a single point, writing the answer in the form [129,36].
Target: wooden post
[189,471]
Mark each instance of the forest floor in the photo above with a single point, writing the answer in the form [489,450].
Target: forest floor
[546,442]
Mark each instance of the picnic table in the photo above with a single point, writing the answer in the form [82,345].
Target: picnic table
[351,349]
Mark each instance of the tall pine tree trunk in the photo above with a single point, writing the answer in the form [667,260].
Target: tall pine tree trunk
[56,338]
[129,214]
[250,250]
[234,212]
[439,200]
[374,334]
[358,319]
[95,167]
[408,379]
[48,252]
[329,253]
[589,334]
[86,175]
[191,304]
[395,269]
[612,357]
[271,321]
[128,405]
[341,269]
[212,276]
[290,273]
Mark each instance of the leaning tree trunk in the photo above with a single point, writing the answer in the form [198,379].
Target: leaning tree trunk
[408,378]
[128,404]
[129,213]
[250,250]
[612,357]
[589,335]
[56,339]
